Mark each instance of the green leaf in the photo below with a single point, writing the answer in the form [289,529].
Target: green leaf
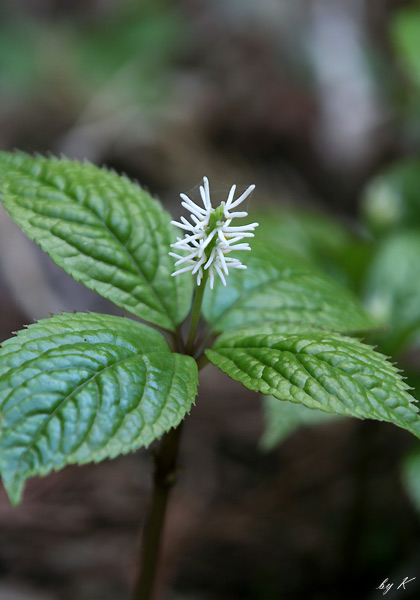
[282,419]
[277,287]
[317,239]
[411,477]
[392,287]
[103,229]
[318,368]
[78,388]
[406,37]
[391,200]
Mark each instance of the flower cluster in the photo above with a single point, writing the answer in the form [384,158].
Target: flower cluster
[210,237]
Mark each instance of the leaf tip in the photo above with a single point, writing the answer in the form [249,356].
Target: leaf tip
[14,488]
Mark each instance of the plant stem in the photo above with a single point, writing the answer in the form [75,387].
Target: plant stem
[202,361]
[165,474]
[195,313]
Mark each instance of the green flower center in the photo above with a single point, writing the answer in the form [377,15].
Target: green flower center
[215,218]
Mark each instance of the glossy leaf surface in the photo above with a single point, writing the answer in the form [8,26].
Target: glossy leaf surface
[102,229]
[318,368]
[78,388]
[279,288]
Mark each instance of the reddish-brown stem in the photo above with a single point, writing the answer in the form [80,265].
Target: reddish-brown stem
[165,474]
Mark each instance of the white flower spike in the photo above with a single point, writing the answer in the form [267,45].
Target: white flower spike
[210,237]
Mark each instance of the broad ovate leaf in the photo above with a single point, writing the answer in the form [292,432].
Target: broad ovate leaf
[78,388]
[102,229]
[278,287]
[318,368]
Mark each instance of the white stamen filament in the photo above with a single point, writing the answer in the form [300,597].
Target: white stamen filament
[202,233]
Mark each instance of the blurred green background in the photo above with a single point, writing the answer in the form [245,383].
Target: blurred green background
[317,102]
